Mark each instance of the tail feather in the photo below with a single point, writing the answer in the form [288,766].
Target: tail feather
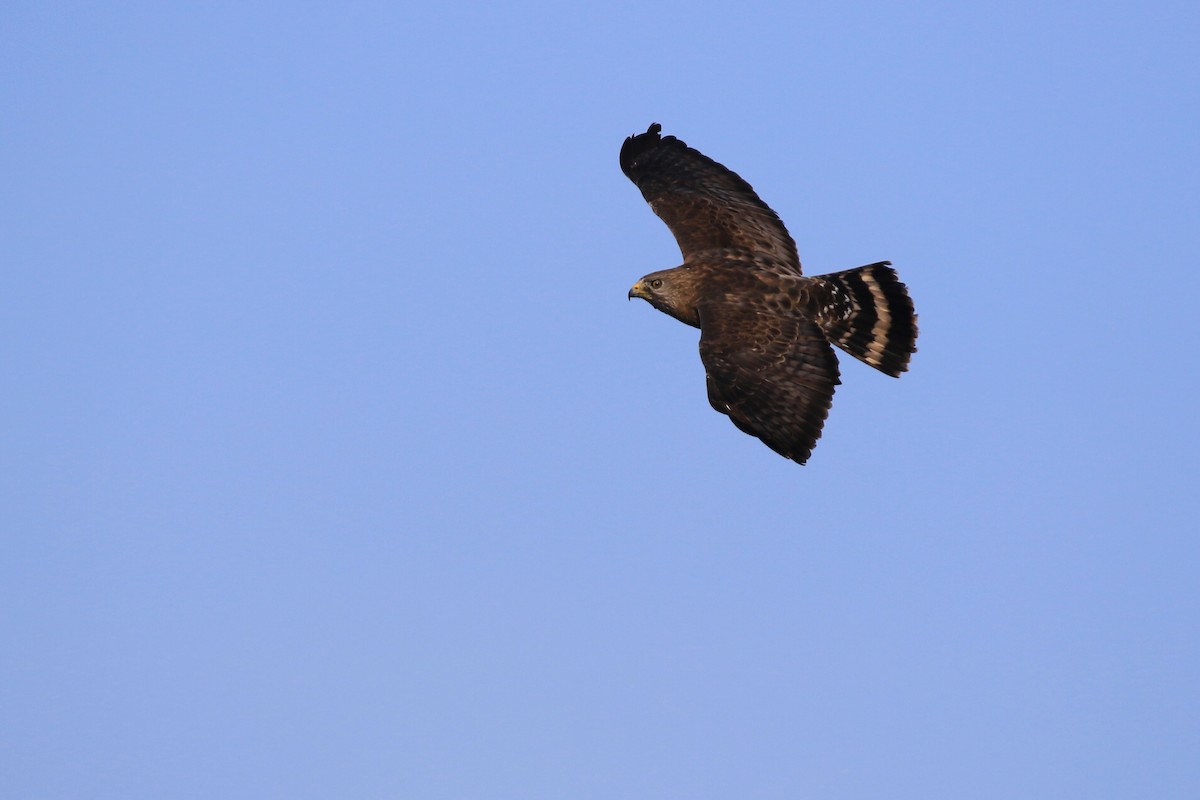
[867,312]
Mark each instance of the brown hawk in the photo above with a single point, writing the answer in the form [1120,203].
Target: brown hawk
[765,329]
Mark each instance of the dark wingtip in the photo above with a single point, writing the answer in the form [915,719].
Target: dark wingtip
[637,144]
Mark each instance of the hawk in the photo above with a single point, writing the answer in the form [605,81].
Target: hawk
[765,328]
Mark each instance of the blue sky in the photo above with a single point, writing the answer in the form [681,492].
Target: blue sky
[336,463]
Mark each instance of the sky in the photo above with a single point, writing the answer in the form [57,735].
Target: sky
[336,462]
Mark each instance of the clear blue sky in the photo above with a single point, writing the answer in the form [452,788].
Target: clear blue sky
[336,463]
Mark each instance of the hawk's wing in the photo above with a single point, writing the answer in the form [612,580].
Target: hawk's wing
[774,376]
[704,204]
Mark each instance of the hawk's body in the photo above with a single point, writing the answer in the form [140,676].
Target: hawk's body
[765,329]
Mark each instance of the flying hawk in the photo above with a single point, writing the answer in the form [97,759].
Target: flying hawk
[765,329]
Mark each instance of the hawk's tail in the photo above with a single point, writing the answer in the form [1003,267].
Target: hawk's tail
[867,312]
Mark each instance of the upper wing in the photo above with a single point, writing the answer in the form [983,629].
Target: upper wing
[704,204]
[774,376]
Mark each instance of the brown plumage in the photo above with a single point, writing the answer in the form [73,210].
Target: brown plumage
[765,329]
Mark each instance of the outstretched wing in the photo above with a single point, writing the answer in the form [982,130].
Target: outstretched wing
[774,376]
[704,204]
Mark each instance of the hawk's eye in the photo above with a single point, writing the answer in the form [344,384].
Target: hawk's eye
[656,283]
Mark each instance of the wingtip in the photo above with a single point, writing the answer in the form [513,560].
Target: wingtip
[639,143]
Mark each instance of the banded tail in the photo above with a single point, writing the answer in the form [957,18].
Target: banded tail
[867,312]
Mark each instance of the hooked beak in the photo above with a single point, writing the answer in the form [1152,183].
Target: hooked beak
[638,290]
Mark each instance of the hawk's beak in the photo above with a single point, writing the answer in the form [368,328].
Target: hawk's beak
[638,290]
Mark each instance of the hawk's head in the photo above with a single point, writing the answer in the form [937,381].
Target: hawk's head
[646,288]
[671,291]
